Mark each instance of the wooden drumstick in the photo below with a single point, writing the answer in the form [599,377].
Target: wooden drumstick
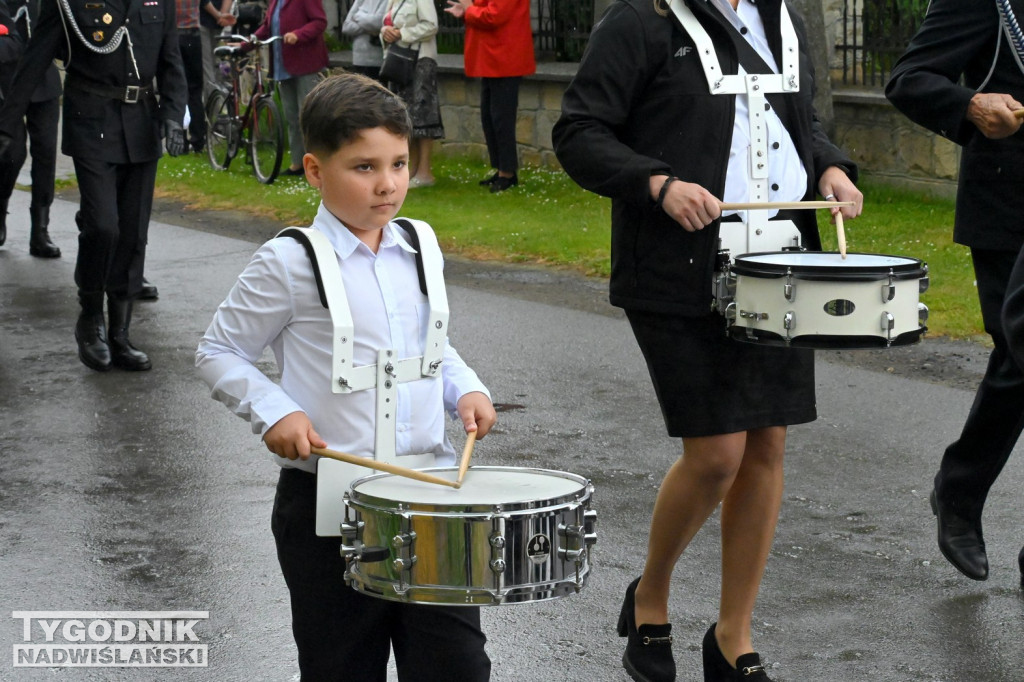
[383,466]
[1019,113]
[841,234]
[781,205]
[467,452]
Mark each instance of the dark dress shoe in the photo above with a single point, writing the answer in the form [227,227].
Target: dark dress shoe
[501,184]
[960,541]
[717,669]
[648,655]
[39,243]
[488,181]
[148,291]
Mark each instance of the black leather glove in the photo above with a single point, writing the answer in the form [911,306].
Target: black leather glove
[174,138]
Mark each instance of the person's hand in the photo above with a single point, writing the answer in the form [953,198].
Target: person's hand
[992,114]
[477,413]
[390,34]
[290,38]
[174,138]
[835,184]
[293,436]
[226,19]
[687,203]
[457,8]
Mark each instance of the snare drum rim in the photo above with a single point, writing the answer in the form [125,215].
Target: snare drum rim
[743,266]
[364,500]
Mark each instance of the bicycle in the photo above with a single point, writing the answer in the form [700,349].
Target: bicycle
[259,127]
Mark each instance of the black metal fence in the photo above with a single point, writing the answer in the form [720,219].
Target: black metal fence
[873,34]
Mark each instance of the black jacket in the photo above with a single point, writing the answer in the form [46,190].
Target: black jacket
[640,105]
[97,126]
[958,38]
[12,47]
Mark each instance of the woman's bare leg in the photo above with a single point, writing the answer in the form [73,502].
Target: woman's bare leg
[689,493]
[750,512]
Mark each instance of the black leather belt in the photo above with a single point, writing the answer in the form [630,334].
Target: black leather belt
[129,94]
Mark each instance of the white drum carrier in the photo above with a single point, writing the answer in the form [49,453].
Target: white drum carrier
[774,292]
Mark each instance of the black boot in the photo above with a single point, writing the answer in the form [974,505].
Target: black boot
[39,243]
[3,221]
[122,353]
[91,333]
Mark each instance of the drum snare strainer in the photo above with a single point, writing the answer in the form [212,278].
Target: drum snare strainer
[508,535]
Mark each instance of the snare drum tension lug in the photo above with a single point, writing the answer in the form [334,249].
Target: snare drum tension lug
[889,290]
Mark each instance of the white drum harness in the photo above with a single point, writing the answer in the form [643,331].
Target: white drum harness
[389,370]
[757,234]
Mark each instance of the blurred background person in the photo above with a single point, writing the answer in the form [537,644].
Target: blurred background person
[213,18]
[413,23]
[362,25]
[499,51]
[296,61]
[190,46]
[38,127]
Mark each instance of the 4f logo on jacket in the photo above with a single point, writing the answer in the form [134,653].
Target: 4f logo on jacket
[683,51]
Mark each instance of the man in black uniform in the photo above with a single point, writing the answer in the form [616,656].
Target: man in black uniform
[39,126]
[980,41]
[122,54]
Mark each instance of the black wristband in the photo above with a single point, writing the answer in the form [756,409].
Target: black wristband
[664,190]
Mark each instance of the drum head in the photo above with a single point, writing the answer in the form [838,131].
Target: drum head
[482,489]
[827,265]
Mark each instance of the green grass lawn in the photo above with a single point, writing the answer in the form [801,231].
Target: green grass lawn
[549,220]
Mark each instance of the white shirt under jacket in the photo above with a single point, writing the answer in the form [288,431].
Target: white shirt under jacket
[275,304]
[787,177]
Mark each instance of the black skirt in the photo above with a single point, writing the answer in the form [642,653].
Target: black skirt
[708,384]
[424,103]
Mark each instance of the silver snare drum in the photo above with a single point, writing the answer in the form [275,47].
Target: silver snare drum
[820,300]
[507,535]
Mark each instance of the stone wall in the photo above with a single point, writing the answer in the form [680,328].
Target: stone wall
[880,139]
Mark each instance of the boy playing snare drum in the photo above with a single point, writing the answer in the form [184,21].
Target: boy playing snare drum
[357,140]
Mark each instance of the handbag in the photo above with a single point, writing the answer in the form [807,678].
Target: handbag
[399,64]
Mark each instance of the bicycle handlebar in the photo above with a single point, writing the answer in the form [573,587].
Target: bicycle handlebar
[248,39]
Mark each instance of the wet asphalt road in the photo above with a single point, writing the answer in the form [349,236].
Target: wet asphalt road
[128,492]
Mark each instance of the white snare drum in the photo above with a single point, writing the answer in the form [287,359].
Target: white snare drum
[820,300]
[507,535]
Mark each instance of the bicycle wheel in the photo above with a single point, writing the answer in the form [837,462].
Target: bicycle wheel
[266,140]
[221,130]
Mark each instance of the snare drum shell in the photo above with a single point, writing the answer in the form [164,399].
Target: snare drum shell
[478,552]
[827,302]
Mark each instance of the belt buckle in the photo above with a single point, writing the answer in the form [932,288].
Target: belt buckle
[131,94]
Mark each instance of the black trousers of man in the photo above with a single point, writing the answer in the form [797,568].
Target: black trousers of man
[190,45]
[113,225]
[345,635]
[971,464]
[40,130]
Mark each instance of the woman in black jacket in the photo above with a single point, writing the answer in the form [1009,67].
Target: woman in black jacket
[641,123]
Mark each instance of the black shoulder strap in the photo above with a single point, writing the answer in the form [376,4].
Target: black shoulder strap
[414,240]
[752,62]
[300,236]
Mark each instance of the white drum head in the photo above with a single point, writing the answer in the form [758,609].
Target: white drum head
[817,259]
[481,486]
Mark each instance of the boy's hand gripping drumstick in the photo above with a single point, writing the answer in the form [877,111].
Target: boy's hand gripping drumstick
[383,466]
[467,452]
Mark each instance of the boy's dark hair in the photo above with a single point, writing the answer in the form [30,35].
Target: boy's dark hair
[338,109]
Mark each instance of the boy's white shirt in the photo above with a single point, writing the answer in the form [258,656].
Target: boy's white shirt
[275,304]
